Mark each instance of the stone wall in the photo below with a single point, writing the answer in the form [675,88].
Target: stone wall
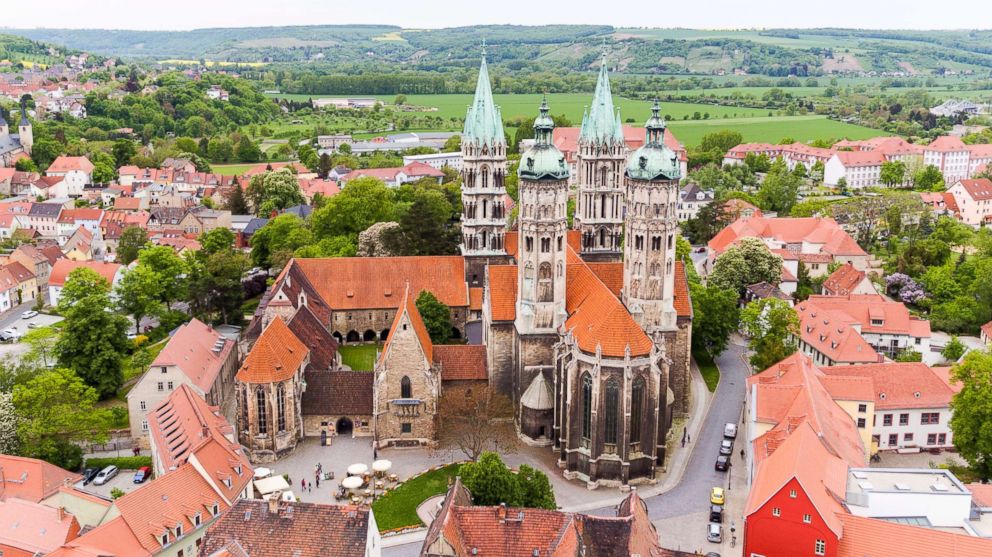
[271,444]
[314,424]
[678,346]
[501,348]
[364,325]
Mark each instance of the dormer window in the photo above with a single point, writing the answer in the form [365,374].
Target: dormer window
[179,530]
[215,509]
[196,519]
[165,540]
[877,322]
[238,469]
[227,482]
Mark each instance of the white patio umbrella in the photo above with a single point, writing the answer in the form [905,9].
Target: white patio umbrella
[262,472]
[357,469]
[381,465]
[351,482]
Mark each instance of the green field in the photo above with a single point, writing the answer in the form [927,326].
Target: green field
[359,357]
[398,508]
[231,169]
[771,130]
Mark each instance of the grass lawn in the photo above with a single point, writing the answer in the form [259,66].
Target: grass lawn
[359,357]
[773,129]
[398,509]
[711,374]
[231,169]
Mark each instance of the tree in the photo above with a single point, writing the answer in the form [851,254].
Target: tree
[893,173]
[273,244]
[324,165]
[215,286]
[714,317]
[721,141]
[280,190]
[749,262]
[971,421]
[169,271]
[103,173]
[9,423]
[773,326]
[216,240]
[132,240]
[866,215]
[491,482]
[535,489]
[474,419]
[123,150]
[42,346]
[425,227]
[362,203]
[710,220]
[780,189]
[57,410]
[929,178]
[220,149]
[399,100]
[436,316]
[248,150]
[93,343]
[138,294]
[81,283]
[453,144]
[235,201]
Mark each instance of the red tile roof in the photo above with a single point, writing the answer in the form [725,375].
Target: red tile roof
[408,308]
[851,159]
[979,189]
[475,298]
[833,334]
[67,164]
[181,424]
[63,267]
[863,308]
[460,362]
[127,203]
[503,292]
[566,139]
[110,538]
[843,281]
[31,479]
[276,355]
[872,537]
[823,232]
[901,384]
[682,301]
[987,329]
[611,274]
[28,528]
[947,143]
[981,494]
[198,351]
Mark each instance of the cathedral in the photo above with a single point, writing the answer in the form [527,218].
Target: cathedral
[586,327]
[15,146]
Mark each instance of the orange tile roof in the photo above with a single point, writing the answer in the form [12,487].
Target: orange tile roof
[127,203]
[503,292]
[981,494]
[843,281]
[183,423]
[610,273]
[461,362]
[378,282]
[832,333]
[67,164]
[979,189]
[408,307]
[511,241]
[70,216]
[276,355]
[872,537]
[475,298]
[987,329]
[110,538]
[862,308]
[860,158]
[901,384]
[63,267]
[947,143]
[34,529]
[198,351]
[31,479]
[944,373]
[596,318]
[682,301]
[824,232]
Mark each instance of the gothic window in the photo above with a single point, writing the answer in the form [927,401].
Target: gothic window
[636,408]
[281,407]
[545,245]
[485,206]
[602,206]
[586,407]
[261,418]
[406,390]
[559,243]
[668,268]
[638,242]
[671,239]
[485,177]
[529,243]
[602,237]
[656,243]
[561,269]
[655,269]
[244,408]
[612,409]
[546,288]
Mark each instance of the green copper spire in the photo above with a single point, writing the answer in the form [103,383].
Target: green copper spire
[654,161]
[602,123]
[483,121]
[543,160]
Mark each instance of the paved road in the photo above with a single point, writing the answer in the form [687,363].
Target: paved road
[13,316]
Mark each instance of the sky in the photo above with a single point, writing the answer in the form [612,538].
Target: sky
[705,14]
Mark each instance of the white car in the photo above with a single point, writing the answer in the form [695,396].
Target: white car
[105,475]
[730,431]
[9,335]
[29,314]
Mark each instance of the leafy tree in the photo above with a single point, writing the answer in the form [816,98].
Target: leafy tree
[324,165]
[714,317]
[476,419]
[799,171]
[235,201]
[711,219]
[215,286]
[399,100]
[132,240]
[138,294]
[80,283]
[909,355]
[169,271]
[866,215]
[216,240]
[893,173]
[971,421]
[186,145]
[123,150]
[57,410]
[44,151]
[220,149]
[335,246]
[780,189]
[103,173]
[491,482]
[535,488]
[274,191]
[757,163]
[93,342]
[772,326]
[273,244]
[9,423]
[749,262]
[362,203]
[929,178]
[25,165]
[248,150]
[425,228]
[42,346]
[721,141]
[954,349]
[453,144]
[436,316]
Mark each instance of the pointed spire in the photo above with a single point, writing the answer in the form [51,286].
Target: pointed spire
[24,113]
[600,126]
[483,120]
[655,126]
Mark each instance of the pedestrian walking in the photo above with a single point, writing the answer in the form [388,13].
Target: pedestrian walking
[742,454]
[688,438]
[375,454]
[303,484]
[318,482]
[683,442]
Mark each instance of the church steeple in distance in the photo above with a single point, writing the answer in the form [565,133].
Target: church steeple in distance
[483,120]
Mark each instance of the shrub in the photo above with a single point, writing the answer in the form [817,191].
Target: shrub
[122,462]
[116,493]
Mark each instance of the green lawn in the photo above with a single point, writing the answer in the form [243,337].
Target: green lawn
[708,369]
[231,169]
[398,509]
[771,130]
[359,357]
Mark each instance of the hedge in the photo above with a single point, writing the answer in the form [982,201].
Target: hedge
[121,462]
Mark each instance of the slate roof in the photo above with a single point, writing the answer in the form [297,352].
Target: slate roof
[312,333]
[338,393]
[460,362]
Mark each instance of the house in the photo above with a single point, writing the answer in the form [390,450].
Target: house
[912,405]
[951,156]
[848,280]
[395,177]
[793,154]
[111,272]
[326,188]
[974,201]
[131,204]
[451,160]
[71,219]
[218,94]
[986,333]
[857,169]
[166,218]
[33,528]
[201,219]
[333,141]
[196,356]
[35,261]
[304,530]
[737,208]
[38,482]
[76,172]
[27,283]
[886,325]
[44,218]
[691,200]
[79,246]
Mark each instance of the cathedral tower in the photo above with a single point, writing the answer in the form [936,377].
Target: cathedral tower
[483,179]
[652,178]
[543,227]
[26,136]
[601,153]
[4,130]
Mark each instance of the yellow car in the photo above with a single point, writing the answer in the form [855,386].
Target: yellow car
[716,496]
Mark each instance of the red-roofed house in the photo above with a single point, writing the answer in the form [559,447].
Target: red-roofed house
[886,325]
[848,280]
[196,356]
[77,173]
[63,267]
[950,155]
[395,177]
[859,169]
[974,201]
[986,333]
[28,529]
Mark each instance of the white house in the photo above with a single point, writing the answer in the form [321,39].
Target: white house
[691,200]
[859,169]
[950,155]
[436,160]
[60,272]
[974,200]
[76,173]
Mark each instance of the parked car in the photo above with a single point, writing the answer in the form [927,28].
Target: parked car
[714,532]
[716,496]
[726,447]
[89,474]
[716,514]
[730,431]
[9,335]
[142,474]
[33,325]
[105,475]
[29,314]
[712,554]
[722,463]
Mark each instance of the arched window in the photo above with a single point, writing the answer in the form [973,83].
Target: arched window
[281,408]
[636,409]
[406,390]
[604,174]
[261,418]
[586,406]
[485,176]
[612,418]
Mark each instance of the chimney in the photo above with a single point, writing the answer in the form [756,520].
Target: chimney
[61,511]
[501,512]
[274,502]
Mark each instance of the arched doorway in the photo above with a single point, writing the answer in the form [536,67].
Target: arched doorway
[455,333]
[369,335]
[353,336]
[384,334]
[344,426]
[337,336]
